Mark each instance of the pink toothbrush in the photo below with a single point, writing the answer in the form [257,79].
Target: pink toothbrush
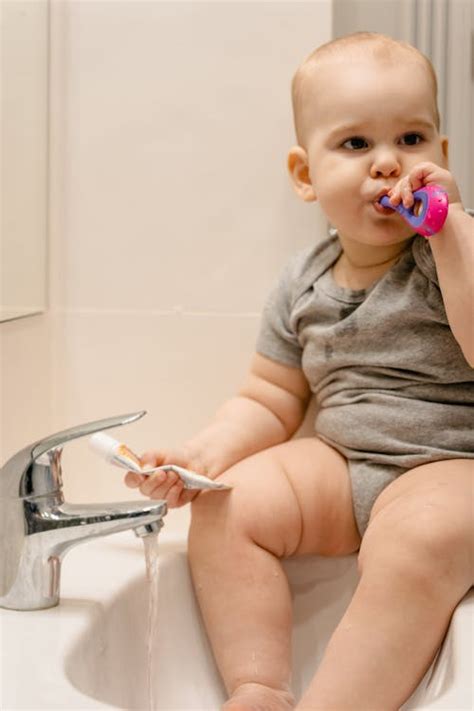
[433,210]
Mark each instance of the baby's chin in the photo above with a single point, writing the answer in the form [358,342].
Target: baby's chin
[384,239]
[376,237]
[376,233]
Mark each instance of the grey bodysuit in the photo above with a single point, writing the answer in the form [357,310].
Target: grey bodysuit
[392,387]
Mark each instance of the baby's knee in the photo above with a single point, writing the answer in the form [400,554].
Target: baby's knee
[419,544]
[209,509]
[258,509]
[217,509]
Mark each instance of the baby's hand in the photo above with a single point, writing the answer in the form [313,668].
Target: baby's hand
[164,485]
[425,174]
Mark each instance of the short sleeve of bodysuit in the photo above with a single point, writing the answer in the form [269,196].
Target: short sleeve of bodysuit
[277,339]
[278,336]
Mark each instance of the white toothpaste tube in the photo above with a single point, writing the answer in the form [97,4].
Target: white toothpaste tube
[115,452]
[122,456]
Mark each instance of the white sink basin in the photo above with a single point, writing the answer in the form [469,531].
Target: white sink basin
[91,651]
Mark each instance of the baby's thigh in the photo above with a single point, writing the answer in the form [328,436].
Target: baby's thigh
[292,499]
[426,517]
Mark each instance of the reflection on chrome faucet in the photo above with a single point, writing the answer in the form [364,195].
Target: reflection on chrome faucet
[37,527]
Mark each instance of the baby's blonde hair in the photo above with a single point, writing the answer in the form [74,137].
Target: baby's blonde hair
[380,47]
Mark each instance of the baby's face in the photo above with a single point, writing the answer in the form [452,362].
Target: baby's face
[366,127]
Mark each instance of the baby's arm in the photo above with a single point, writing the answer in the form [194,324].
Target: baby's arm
[453,251]
[267,410]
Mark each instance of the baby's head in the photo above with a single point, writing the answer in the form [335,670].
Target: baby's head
[365,109]
[358,47]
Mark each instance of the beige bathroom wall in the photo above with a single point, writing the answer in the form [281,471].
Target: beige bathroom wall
[26,382]
[25,344]
[171,213]
[24,70]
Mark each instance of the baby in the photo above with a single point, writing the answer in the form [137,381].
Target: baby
[376,324]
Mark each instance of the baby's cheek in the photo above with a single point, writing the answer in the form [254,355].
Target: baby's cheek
[331,202]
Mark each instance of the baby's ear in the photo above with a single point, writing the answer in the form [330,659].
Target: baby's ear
[299,173]
[445,150]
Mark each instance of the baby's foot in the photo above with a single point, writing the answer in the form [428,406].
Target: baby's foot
[256,697]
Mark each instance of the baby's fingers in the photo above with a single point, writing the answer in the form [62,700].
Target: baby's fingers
[152,482]
[134,480]
[407,193]
[163,485]
[403,191]
[152,458]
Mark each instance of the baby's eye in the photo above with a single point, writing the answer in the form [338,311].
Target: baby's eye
[412,139]
[356,143]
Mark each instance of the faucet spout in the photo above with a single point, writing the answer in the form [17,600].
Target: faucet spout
[65,525]
[30,577]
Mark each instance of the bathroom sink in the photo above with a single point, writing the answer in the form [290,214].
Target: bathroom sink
[91,652]
[109,660]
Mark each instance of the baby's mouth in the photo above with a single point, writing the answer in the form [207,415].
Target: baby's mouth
[381,210]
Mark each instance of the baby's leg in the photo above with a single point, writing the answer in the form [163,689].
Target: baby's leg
[416,560]
[289,500]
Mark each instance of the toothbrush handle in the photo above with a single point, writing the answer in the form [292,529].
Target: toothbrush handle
[433,212]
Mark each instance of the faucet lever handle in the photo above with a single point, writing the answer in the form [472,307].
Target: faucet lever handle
[60,438]
[19,476]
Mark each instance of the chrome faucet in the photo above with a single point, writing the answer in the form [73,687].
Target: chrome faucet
[37,527]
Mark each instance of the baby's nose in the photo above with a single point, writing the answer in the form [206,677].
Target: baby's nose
[385,164]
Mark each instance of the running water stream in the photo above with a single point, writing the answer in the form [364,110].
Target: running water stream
[151,557]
